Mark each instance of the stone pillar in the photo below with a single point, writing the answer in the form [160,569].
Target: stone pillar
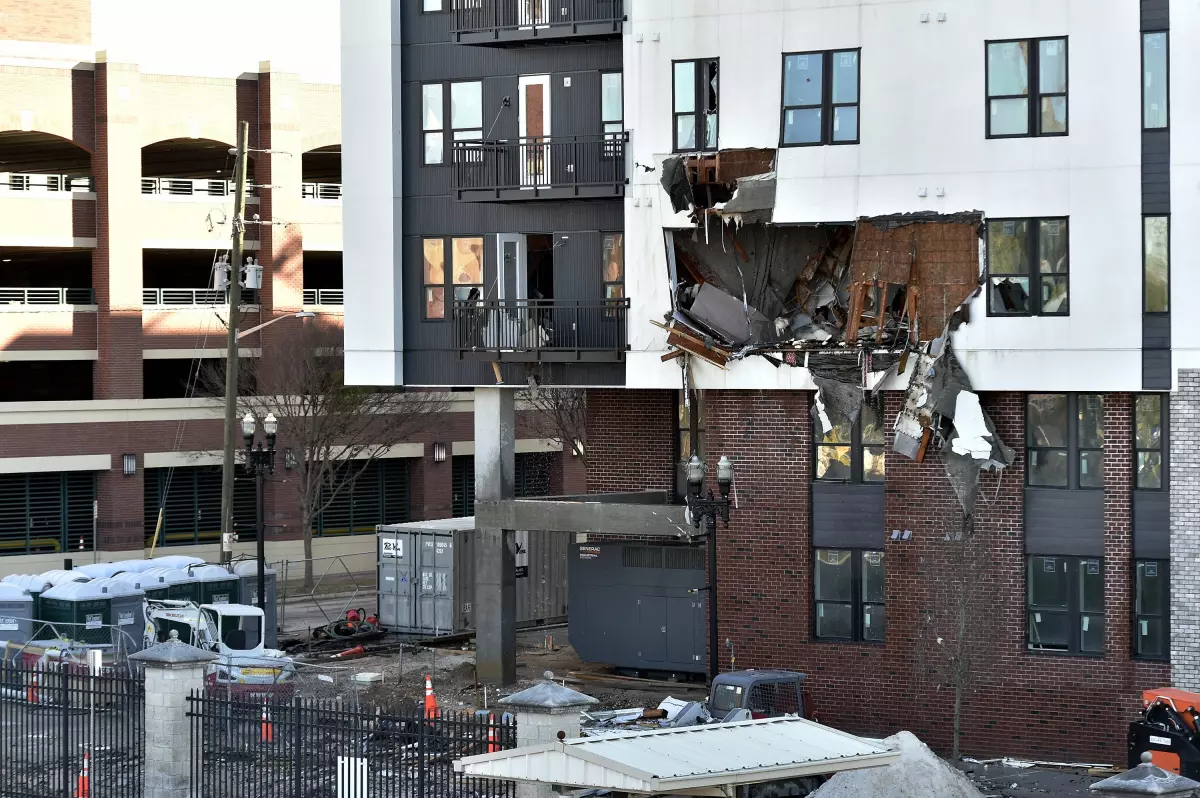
[495,574]
[173,670]
[543,712]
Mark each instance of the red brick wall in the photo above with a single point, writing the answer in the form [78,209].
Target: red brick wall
[1021,704]
[630,440]
[58,22]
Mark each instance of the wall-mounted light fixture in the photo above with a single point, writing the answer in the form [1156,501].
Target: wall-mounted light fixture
[439,453]
[129,462]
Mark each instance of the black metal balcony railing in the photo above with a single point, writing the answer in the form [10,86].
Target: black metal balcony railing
[323,191]
[194,297]
[501,21]
[555,167]
[541,329]
[19,181]
[192,187]
[47,296]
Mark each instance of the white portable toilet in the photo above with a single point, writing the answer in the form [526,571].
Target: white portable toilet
[60,577]
[100,570]
[179,561]
[16,615]
[157,582]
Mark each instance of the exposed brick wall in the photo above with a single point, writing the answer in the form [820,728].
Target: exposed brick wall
[1184,471]
[630,440]
[58,22]
[1021,703]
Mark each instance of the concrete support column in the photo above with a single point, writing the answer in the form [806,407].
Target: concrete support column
[543,712]
[495,574]
[173,670]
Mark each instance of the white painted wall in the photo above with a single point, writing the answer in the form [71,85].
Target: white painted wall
[1185,184]
[922,126]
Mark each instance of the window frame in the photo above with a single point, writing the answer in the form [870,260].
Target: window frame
[1164,440]
[1145,218]
[604,123]
[441,9]
[1167,46]
[857,602]
[452,285]
[857,448]
[452,131]
[611,315]
[1164,615]
[1033,247]
[1073,449]
[425,133]
[425,286]
[702,116]
[1035,95]
[827,105]
[1073,611]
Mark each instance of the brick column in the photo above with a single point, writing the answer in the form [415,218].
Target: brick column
[631,440]
[431,486]
[278,172]
[1184,473]
[117,279]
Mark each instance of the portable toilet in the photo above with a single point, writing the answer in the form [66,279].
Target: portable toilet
[59,576]
[181,562]
[128,613]
[181,589]
[247,573]
[77,611]
[157,583]
[216,585]
[16,614]
[100,570]
[33,584]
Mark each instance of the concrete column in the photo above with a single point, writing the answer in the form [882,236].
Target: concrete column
[495,574]
[543,712]
[173,670]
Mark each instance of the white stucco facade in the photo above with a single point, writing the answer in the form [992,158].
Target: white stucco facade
[922,129]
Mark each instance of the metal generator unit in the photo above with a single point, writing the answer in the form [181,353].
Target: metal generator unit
[427,576]
[638,607]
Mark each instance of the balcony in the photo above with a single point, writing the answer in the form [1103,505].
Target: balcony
[42,297]
[321,191]
[555,168]
[541,330]
[194,297]
[517,22]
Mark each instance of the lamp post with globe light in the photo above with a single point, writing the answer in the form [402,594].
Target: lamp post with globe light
[706,510]
[260,462]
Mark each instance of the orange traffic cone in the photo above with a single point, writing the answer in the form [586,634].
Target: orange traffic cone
[82,786]
[431,706]
[267,735]
[492,746]
[31,693]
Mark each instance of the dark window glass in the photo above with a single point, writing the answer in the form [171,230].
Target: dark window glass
[1156,263]
[1046,430]
[1091,441]
[850,452]
[848,594]
[1065,440]
[46,513]
[1065,603]
[1028,263]
[820,98]
[1017,105]
[359,497]
[1152,608]
[1148,439]
[695,91]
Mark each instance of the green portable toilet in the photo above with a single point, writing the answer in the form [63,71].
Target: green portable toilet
[182,589]
[216,585]
[247,574]
[79,611]
[157,583]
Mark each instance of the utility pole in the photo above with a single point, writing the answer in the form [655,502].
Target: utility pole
[231,354]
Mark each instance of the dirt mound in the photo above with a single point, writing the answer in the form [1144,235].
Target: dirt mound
[919,773]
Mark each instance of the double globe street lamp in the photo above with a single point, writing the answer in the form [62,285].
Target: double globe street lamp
[707,510]
[260,462]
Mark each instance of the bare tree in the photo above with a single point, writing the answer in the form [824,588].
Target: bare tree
[560,416]
[337,430]
[953,630]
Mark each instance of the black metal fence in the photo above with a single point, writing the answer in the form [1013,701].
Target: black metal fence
[65,732]
[539,163]
[537,329]
[477,16]
[304,749]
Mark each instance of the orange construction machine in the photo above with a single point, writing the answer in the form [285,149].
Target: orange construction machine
[1169,729]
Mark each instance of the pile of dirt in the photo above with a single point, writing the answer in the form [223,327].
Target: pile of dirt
[919,773]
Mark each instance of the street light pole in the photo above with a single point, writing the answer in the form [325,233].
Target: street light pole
[260,462]
[707,510]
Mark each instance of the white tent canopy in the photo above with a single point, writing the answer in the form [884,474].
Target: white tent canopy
[696,760]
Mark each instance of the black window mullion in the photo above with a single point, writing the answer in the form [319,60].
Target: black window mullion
[1032,246]
[826,97]
[856,452]
[1035,101]
[63,516]
[856,631]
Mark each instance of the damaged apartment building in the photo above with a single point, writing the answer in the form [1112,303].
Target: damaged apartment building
[908,266]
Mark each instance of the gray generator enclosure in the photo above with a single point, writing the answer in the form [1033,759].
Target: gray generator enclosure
[16,615]
[427,576]
[638,606]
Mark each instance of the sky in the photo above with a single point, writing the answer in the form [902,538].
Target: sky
[221,38]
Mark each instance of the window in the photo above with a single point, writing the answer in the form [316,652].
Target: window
[432,123]
[686,448]
[462,485]
[1066,604]
[468,268]
[1018,106]
[820,98]
[1155,81]
[848,590]
[1156,263]
[359,497]
[696,87]
[435,278]
[1028,261]
[1065,440]
[851,452]
[1148,416]
[614,266]
[431,6]
[1152,608]
[612,105]
[46,513]
[466,111]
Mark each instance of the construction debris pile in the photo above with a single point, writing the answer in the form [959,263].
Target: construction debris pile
[854,304]
[919,773]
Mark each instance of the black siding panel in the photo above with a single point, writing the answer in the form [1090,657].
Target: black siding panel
[1064,522]
[442,215]
[1156,369]
[847,516]
[1152,525]
[1156,14]
[1156,331]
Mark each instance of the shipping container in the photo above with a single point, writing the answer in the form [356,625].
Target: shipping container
[427,576]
